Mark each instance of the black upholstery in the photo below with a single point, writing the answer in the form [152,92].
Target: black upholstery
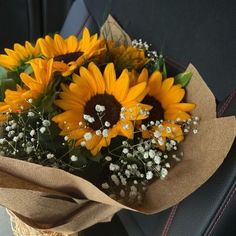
[22,20]
[202,32]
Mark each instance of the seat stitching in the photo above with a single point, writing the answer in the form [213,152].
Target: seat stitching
[226,103]
[169,221]
[174,209]
[221,211]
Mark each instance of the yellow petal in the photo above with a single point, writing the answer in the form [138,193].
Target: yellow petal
[135,112]
[67,116]
[172,97]
[103,143]
[72,43]
[12,53]
[45,48]
[143,77]
[182,106]
[83,86]
[90,144]
[135,92]
[30,82]
[121,86]
[173,114]
[21,50]
[126,129]
[76,134]
[154,83]
[86,75]
[165,87]
[8,62]
[29,48]
[97,76]
[69,105]
[60,44]
[110,77]
[176,131]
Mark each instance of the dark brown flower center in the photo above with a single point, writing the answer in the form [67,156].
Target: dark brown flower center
[157,112]
[110,115]
[66,58]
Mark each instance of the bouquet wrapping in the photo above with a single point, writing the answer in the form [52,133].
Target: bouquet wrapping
[51,199]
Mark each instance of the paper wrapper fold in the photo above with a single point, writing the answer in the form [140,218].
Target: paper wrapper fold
[59,201]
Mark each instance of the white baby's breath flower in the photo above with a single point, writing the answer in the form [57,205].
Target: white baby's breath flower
[74,158]
[195,131]
[108,158]
[42,130]
[50,156]
[149,175]
[100,108]
[105,133]
[2,140]
[88,136]
[151,153]
[145,155]
[157,159]
[143,127]
[32,132]
[164,173]
[122,193]
[30,114]
[98,132]
[157,134]
[140,149]
[133,188]
[113,167]
[125,150]
[29,150]
[8,128]
[82,144]
[105,185]
[115,179]
[46,123]
[107,124]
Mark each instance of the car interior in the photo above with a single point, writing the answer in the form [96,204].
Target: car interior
[205,32]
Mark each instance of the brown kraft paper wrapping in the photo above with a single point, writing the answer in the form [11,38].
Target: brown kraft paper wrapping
[48,198]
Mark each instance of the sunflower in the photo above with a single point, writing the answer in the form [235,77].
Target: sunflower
[165,97]
[98,107]
[127,57]
[70,53]
[14,59]
[32,88]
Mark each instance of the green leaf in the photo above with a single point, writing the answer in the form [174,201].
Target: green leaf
[91,168]
[183,78]
[3,73]
[86,154]
[28,70]
[6,84]
[164,71]
[45,103]
[15,76]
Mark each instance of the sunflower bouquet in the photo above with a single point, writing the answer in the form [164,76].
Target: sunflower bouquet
[105,118]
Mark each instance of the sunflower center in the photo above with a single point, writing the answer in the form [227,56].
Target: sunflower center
[102,111]
[157,112]
[73,56]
